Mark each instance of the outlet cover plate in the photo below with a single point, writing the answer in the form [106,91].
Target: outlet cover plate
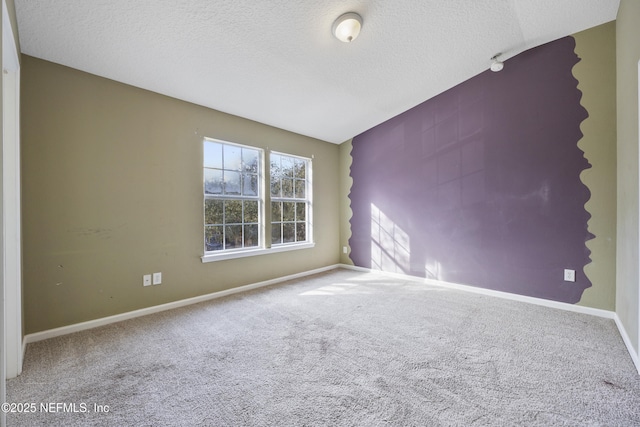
[569,275]
[157,278]
[146,280]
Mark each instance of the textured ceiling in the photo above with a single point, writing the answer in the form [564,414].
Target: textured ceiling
[276,61]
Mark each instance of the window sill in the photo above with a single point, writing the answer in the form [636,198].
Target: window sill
[254,252]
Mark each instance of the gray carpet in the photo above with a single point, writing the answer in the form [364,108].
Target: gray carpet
[338,349]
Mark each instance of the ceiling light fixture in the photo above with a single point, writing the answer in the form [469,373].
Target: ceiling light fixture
[496,65]
[347,27]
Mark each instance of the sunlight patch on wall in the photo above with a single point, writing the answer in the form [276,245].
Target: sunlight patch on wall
[390,244]
[433,269]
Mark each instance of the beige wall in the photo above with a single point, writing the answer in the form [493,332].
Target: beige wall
[628,243]
[596,74]
[112,190]
[345,202]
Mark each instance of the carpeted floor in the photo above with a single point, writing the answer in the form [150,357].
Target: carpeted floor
[338,349]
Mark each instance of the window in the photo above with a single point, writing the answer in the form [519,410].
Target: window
[232,199]
[235,210]
[290,199]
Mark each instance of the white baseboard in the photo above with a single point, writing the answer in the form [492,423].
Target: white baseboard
[627,342]
[64,330]
[490,292]
[530,300]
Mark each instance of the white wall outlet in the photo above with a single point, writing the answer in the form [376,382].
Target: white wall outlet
[569,275]
[157,278]
[345,250]
[146,280]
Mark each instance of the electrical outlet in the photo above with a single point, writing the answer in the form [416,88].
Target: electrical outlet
[146,280]
[344,250]
[157,278]
[569,275]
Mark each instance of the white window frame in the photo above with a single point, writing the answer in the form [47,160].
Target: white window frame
[259,198]
[264,204]
[308,200]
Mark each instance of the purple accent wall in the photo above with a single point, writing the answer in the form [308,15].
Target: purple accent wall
[481,184]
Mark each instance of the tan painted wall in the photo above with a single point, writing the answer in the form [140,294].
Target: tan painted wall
[345,203]
[628,242]
[112,190]
[596,74]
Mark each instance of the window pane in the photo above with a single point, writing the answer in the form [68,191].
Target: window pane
[276,211]
[288,211]
[212,181]
[287,187]
[232,186]
[301,168]
[300,189]
[275,187]
[233,212]
[301,232]
[276,233]
[288,232]
[213,212]
[250,235]
[250,211]
[212,155]
[275,165]
[301,210]
[213,238]
[232,157]
[287,167]
[250,160]
[231,182]
[233,236]
[249,184]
